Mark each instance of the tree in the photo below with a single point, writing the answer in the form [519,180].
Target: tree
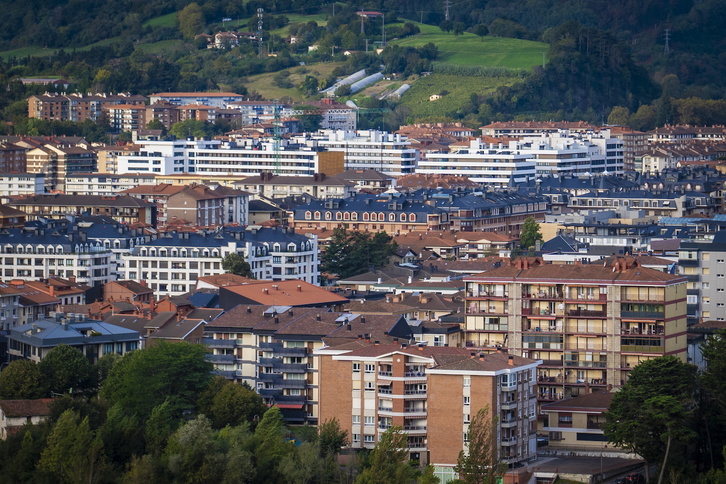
[73,453]
[331,437]
[446,25]
[352,252]
[480,30]
[22,379]
[481,464]
[191,128]
[236,264]
[530,233]
[146,378]
[234,405]
[459,28]
[654,409]
[388,461]
[66,370]
[156,124]
[619,116]
[270,445]
[713,404]
[191,20]
[194,455]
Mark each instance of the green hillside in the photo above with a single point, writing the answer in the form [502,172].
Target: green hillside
[469,49]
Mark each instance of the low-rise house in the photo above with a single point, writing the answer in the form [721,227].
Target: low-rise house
[577,423]
[292,293]
[16,414]
[131,291]
[93,338]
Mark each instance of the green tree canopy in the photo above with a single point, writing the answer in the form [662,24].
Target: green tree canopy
[481,464]
[331,437]
[22,379]
[352,252]
[146,378]
[191,128]
[654,406]
[388,461]
[191,20]
[236,264]
[66,370]
[235,404]
[530,233]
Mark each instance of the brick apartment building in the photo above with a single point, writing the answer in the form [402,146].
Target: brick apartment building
[432,393]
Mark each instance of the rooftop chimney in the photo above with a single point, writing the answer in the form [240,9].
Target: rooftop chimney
[510,361]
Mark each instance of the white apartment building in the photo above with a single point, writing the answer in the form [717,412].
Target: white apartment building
[213,99]
[494,165]
[205,157]
[172,263]
[38,253]
[105,184]
[19,184]
[560,153]
[388,153]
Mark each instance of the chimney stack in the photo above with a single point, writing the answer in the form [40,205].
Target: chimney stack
[510,361]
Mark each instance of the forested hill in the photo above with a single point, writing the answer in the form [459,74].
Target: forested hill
[695,27]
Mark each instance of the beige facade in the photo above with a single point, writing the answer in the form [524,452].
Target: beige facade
[590,324]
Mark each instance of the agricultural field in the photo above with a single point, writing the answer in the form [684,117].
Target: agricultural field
[263,83]
[457,91]
[168,20]
[469,49]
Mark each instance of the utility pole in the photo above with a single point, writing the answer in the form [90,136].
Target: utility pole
[447,4]
[383,31]
[362,30]
[667,41]
[260,14]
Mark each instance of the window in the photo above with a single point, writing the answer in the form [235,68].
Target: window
[356,419]
[356,438]
[466,436]
[720,276]
[720,261]
[467,400]
[467,418]
[369,421]
[370,368]
[467,381]
[369,439]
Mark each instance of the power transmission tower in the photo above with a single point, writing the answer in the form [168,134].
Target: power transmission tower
[667,41]
[260,14]
[447,4]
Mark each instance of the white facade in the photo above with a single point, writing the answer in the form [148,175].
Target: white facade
[493,165]
[550,154]
[33,256]
[172,264]
[216,158]
[19,184]
[105,184]
[213,99]
[388,153]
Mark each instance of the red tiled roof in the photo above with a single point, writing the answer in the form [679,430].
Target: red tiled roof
[26,408]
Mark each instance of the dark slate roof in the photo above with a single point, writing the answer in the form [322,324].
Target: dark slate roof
[55,199]
[49,333]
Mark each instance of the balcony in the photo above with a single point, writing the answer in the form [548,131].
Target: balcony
[586,313]
[508,422]
[511,405]
[415,374]
[293,383]
[221,359]
[220,343]
[385,409]
[385,391]
[507,441]
[414,412]
[642,314]
[279,350]
[653,349]
[415,429]
[385,373]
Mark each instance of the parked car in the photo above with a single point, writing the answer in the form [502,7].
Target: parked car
[635,478]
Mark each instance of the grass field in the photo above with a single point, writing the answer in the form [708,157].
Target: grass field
[262,83]
[26,51]
[168,20]
[469,49]
[459,92]
[161,46]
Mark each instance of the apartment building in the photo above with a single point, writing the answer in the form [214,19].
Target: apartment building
[214,99]
[127,117]
[57,161]
[273,349]
[319,186]
[214,158]
[123,209]
[105,184]
[431,393]
[39,253]
[77,107]
[589,324]
[9,306]
[12,157]
[172,263]
[21,184]
[704,264]
[390,154]
[493,165]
